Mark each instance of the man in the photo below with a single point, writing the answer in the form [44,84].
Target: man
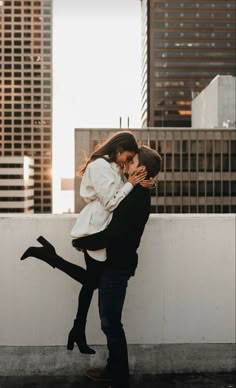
[121,239]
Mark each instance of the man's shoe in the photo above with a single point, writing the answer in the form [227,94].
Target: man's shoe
[97,374]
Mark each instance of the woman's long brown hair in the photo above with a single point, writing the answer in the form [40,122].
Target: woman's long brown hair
[119,141]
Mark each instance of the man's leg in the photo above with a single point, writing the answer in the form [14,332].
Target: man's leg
[112,291]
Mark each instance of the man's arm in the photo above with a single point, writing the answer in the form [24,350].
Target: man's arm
[124,219]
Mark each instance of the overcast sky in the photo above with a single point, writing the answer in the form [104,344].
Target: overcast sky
[96,64]
[96,71]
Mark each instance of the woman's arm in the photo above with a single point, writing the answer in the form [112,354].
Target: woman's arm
[108,185]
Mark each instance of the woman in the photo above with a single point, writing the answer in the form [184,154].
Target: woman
[103,186]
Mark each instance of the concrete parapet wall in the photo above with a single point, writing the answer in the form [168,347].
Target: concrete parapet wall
[183,293]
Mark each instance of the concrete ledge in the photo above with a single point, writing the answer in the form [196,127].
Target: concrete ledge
[144,359]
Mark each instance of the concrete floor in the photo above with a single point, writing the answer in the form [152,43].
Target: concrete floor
[210,380]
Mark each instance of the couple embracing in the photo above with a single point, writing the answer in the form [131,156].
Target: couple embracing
[116,182]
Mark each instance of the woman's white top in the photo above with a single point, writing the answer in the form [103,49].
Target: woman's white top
[103,188]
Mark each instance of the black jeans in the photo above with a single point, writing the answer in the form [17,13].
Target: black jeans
[112,291]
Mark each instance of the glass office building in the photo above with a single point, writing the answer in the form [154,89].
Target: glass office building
[198,171]
[26,89]
[185,45]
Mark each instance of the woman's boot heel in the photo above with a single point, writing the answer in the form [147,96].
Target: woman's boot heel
[45,243]
[70,343]
[77,335]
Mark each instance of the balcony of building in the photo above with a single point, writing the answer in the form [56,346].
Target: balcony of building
[179,315]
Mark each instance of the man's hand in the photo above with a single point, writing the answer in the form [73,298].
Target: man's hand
[148,183]
[76,247]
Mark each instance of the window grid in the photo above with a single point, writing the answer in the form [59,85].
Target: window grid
[185,45]
[198,183]
[25,59]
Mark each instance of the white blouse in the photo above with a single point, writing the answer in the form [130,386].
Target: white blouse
[103,188]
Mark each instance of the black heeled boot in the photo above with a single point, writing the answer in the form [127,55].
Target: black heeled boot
[77,335]
[40,253]
[45,243]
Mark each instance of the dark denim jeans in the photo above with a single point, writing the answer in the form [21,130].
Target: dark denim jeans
[112,291]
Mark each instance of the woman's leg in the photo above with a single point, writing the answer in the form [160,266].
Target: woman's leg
[77,333]
[74,271]
[88,278]
[93,273]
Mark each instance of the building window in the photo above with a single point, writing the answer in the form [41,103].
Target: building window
[177,209]
[233,188]
[177,188]
[209,189]
[226,188]
[193,188]
[201,188]
[168,162]
[225,163]
[209,163]
[185,190]
[209,209]
[201,162]
[217,188]
[160,189]
[168,188]
[193,164]
[217,163]
[226,209]
[176,162]
[185,162]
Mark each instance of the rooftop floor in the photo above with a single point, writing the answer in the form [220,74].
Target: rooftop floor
[200,380]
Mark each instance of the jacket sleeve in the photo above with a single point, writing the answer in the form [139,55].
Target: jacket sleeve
[105,182]
[125,218]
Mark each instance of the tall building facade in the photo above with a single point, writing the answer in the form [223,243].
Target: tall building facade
[198,171]
[16,184]
[26,89]
[185,45]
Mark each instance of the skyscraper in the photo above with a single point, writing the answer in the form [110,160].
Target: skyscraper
[185,45]
[26,89]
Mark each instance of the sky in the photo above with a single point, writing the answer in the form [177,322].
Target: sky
[96,73]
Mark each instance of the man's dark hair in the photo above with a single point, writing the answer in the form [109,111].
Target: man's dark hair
[151,160]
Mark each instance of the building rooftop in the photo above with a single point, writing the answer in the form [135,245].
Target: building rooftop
[199,380]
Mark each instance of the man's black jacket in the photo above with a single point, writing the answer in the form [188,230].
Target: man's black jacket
[122,236]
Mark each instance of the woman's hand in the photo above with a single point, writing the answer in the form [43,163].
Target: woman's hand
[79,249]
[137,176]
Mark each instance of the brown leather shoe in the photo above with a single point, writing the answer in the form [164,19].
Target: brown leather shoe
[98,374]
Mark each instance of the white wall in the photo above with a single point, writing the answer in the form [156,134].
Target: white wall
[183,291]
[215,104]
